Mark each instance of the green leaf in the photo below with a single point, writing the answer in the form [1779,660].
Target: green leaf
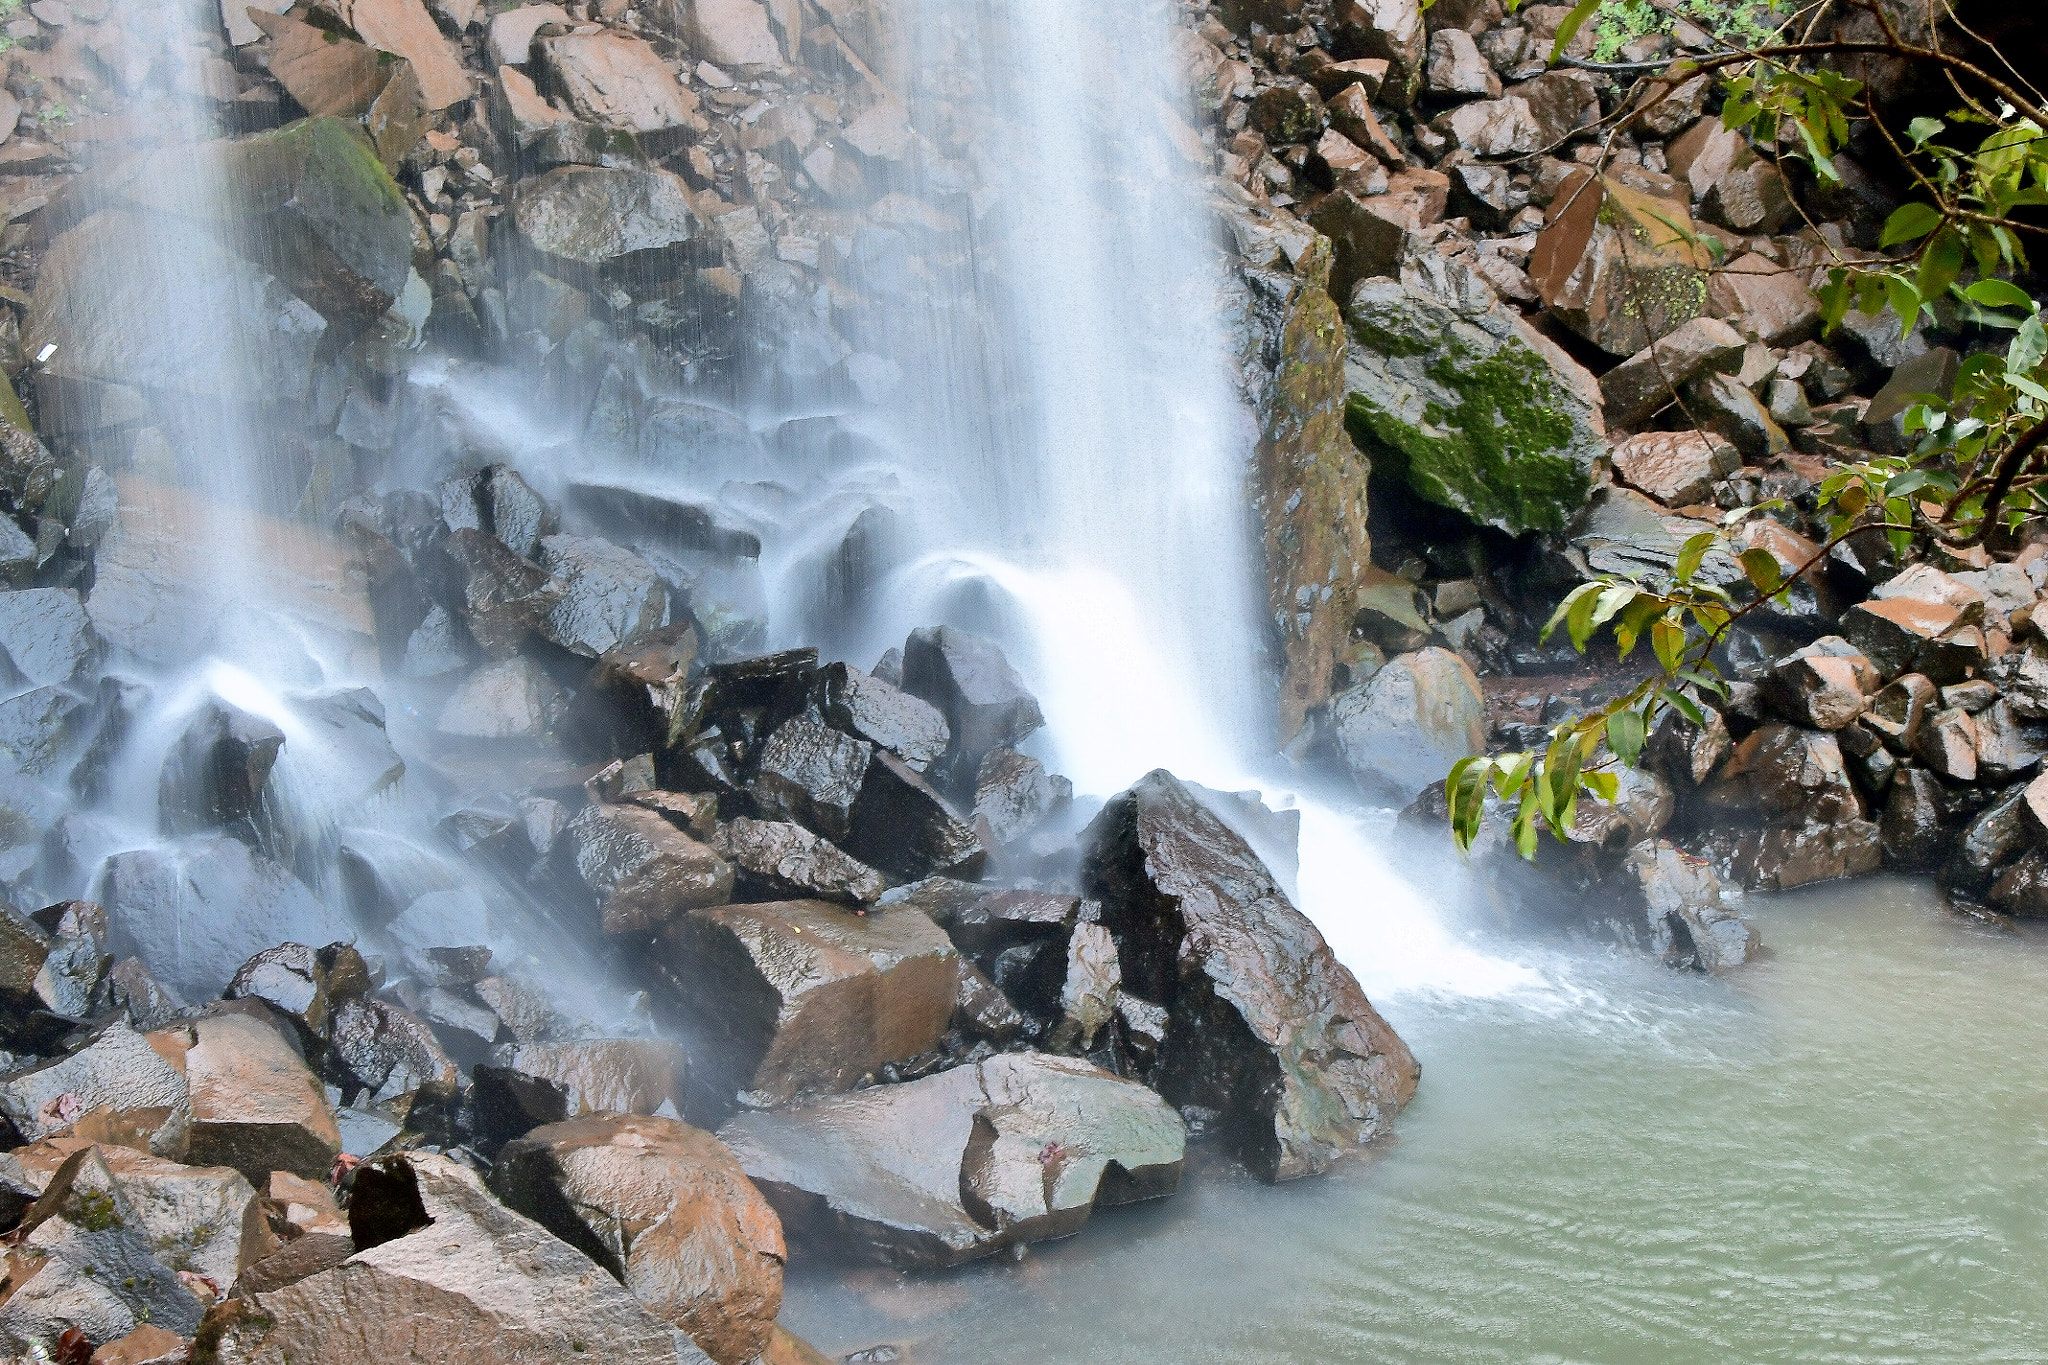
[1511,774]
[1606,786]
[1692,552]
[1625,731]
[1634,619]
[1762,568]
[1685,706]
[1564,609]
[1998,294]
[1904,299]
[1569,29]
[1667,639]
[1940,264]
[1612,601]
[1909,223]
[1921,129]
[1578,621]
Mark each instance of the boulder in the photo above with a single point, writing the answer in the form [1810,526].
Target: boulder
[934,1172]
[904,827]
[214,775]
[1562,101]
[197,910]
[512,699]
[114,1069]
[1289,110]
[1723,405]
[505,598]
[191,1215]
[83,1264]
[618,81]
[595,215]
[1013,793]
[1898,634]
[803,996]
[636,696]
[730,33]
[1999,834]
[811,775]
[603,1075]
[1817,691]
[1390,30]
[1492,128]
[608,595]
[382,1051]
[1458,396]
[1617,266]
[774,861]
[1404,727]
[45,635]
[1677,468]
[403,28]
[974,686]
[303,984]
[1914,830]
[869,708]
[1456,68]
[1637,388]
[255,1106]
[462,1278]
[508,40]
[1688,924]
[666,1209]
[642,869]
[1947,744]
[1773,300]
[1266,1026]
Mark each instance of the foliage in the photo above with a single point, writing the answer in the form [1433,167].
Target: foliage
[1617,23]
[1976,465]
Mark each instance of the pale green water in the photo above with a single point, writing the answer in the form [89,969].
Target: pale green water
[1838,1154]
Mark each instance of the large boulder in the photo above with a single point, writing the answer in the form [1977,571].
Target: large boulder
[114,1069]
[903,826]
[603,1075]
[443,1271]
[667,1210]
[804,996]
[45,635]
[642,869]
[216,770]
[620,82]
[595,215]
[255,1104]
[984,701]
[1391,30]
[1402,728]
[1459,397]
[774,861]
[1618,266]
[608,595]
[959,1165]
[1266,1026]
[878,711]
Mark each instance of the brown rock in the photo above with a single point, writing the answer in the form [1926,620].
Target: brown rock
[405,29]
[642,869]
[1637,388]
[1903,633]
[1391,30]
[1898,709]
[1351,114]
[1818,692]
[807,997]
[667,1210]
[1749,198]
[1498,127]
[1677,468]
[1562,101]
[1773,300]
[1948,744]
[146,1345]
[1456,68]
[619,82]
[324,74]
[775,861]
[604,1075]
[255,1104]
[731,33]
[1617,266]
[1335,77]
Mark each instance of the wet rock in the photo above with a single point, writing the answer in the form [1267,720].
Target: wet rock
[214,774]
[594,215]
[1774,302]
[1736,414]
[382,1051]
[1914,829]
[1619,267]
[195,912]
[1456,68]
[1562,101]
[510,699]
[114,1068]
[303,984]
[255,1106]
[1947,744]
[1267,1027]
[968,679]
[1899,634]
[1677,468]
[1493,128]
[773,861]
[36,727]
[1647,381]
[28,471]
[637,698]
[1013,793]
[1089,994]
[805,997]
[45,635]
[1289,110]
[1462,399]
[2005,751]
[1818,691]
[604,1075]
[732,33]
[642,869]
[18,556]
[1688,924]
[469,1280]
[1410,721]
[1391,30]
[1801,855]
[666,1209]
[812,775]
[904,827]
[878,711]
[24,945]
[956,1166]
[191,1215]
[619,82]
[608,595]
[68,981]
[1999,834]
[985,1012]
[670,431]
[131,990]
[505,598]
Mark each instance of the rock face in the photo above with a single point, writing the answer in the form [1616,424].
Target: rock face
[468,1280]
[1617,266]
[1403,727]
[667,1210]
[1463,400]
[810,997]
[943,1170]
[1266,1026]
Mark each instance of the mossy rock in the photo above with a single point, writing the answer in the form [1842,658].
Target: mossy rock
[1454,394]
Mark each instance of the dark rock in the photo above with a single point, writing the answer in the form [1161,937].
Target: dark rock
[69,980]
[505,598]
[812,775]
[608,595]
[1013,793]
[303,984]
[1996,837]
[1289,110]
[905,828]
[131,990]
[1267,1027]
[689,429]
[1899,709]
[636,698]
[214,775]
[381,1052]
[1620,267]
[515,514]
[1819,691]
[805,997]
[666,1209]
[642,869]
[1915,831]
[509,1104]
[1902,633]
[875,709]
[986,1012]
[774,861]
[956,1166]
[970,681]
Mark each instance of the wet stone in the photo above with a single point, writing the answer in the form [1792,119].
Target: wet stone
[215,773]
[608,595]
[873,708]
[969,680]
[774,861]
[811,775]
[642,869]
[45,635]
[604,1075]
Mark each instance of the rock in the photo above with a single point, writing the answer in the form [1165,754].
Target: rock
[1677,468]
[2022,890]
[1013,793]
[2000,833]
[1619,267]
[1689,926]
[254,1104]
[405,29]
[1485,194]
[774,861]
[1351,115]
[1672,104]
[28,471]
[509,39]
[115,1069]
[505,598]
[36,728]
[383,1052]
[619,82]
[45,635]
[1914,831]
[985,1012]
[637,695]
[1637,388]
[1089,994]
[666,1209]
[215,772]
[805,997]
[812,775]
[468,1279]
[1820,693]
[642,869]
[197,910]
[1797,781]
[1562,101]
[1750,197]
[2005,751]
[1898,708]
[1897,634]
[346,725]
[608,595]
[1390,30]
[302,983]
[1289,110]
[1496,127]
[1405,725]
[905,828]
[1456,68]
[968,679]
[1772,300]
[83,1267]
[1457,395]
[146,1345]
[1724,406]
[1249,984]
[1370,73]
[604,1075]
[191,1215]
[1791,856]
[594,215]
[732,33]
[511,699]
[68,981]
[508,1104]
[872,709]
[1947,744]
[938,1171]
